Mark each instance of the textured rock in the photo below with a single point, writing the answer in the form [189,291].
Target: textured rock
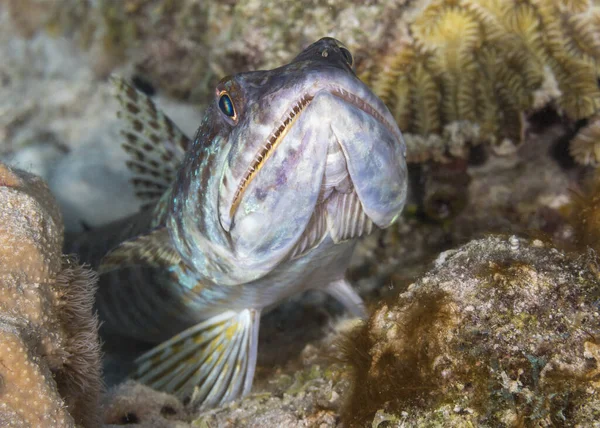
[502,332]
[53,94]
[134,404]
[305,390]
[49,352]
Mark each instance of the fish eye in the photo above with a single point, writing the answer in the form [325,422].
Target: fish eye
[226,105]
[347,55]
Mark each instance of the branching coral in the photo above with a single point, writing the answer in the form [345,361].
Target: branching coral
[49,349]
[482,65]
[585,147]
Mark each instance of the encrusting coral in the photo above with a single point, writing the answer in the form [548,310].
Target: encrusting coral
[49,349]
[503,331]
[462,72]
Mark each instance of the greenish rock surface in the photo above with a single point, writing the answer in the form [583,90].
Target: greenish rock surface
[503,331]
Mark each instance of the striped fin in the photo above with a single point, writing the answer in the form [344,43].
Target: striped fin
[155,145]
[213,361]
[153,249]
[346,218]
[313,234]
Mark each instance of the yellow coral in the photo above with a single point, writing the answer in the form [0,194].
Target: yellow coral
[486,63]
[585,147]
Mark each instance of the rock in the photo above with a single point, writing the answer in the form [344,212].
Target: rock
[132,403]
[49,353]
[502,332]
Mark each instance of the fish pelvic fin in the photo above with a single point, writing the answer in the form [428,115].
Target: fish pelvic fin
[154,249]
[155,145]
[342,291]
[212,362]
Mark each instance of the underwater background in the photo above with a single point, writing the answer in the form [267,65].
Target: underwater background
[484,297]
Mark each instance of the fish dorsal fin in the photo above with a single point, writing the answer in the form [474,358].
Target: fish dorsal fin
[154,250]
[155,145]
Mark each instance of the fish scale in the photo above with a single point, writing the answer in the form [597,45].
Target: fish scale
[266,201]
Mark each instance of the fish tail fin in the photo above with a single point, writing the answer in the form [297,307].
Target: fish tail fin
[213,361]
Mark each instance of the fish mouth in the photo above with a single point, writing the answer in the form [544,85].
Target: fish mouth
[289,119]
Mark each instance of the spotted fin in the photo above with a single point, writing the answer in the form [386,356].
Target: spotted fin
[212,362]
[155,145]
[153,249]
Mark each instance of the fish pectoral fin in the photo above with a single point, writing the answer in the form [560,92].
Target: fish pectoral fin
[346,217]
[153,249]
[213,361]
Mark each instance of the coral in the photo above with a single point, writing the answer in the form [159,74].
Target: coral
[481,66]
[49,357]
[502,332]
[584,214]
[455,73]
[585,147]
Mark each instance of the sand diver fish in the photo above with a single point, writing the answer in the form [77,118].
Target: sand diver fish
[287,169]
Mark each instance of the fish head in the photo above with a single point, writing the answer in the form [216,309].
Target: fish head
[299,147]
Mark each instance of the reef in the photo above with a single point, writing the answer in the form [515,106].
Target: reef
[455,73]
[501,332]
[50,354]
[510,85]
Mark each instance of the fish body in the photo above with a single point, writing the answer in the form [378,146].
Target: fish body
[287,169]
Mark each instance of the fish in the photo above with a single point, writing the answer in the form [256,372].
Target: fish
[289,167]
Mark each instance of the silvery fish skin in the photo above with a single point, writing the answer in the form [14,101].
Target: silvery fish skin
[287,169]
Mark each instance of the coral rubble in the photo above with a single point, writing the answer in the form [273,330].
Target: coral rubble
[49,349]
[306,391]
[502,332]
[134,403]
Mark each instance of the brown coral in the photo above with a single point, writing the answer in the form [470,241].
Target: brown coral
[502,332]
[481,65]
[49,352]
